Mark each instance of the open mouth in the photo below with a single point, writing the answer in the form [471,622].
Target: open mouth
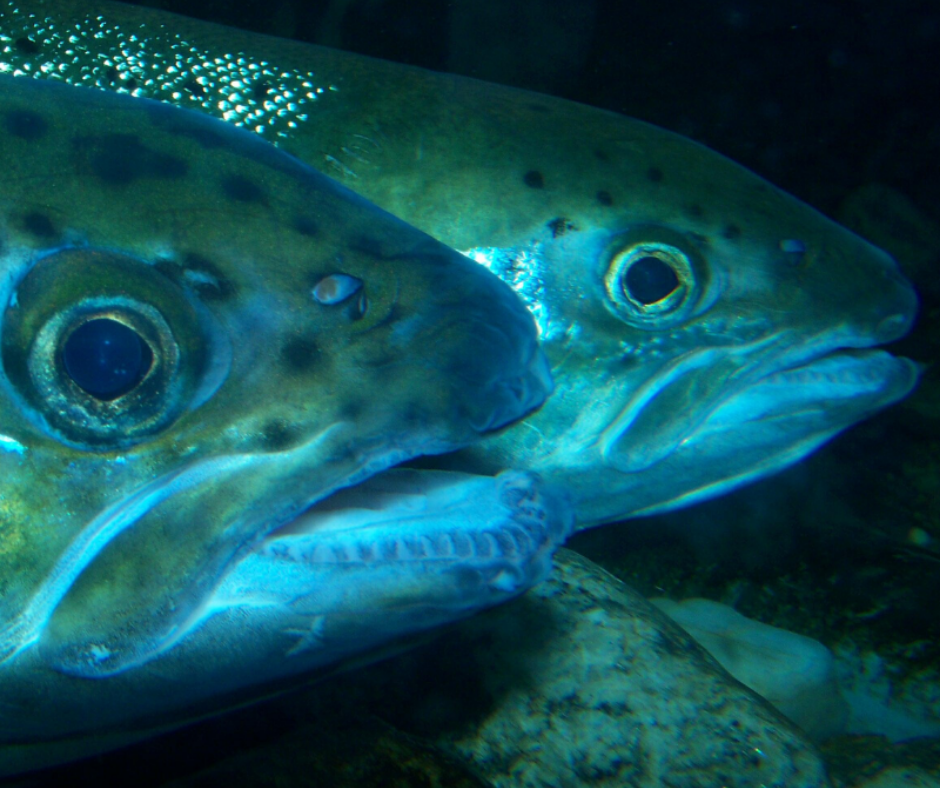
[423,547]
[399,552]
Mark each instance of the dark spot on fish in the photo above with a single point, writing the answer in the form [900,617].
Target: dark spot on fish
[732,232]
[170,269]
[351,409]
[277,435]
[130,83]
[39,224]
[605,198]
[112,75]
[27,46]
[602,155]
[654,174]
[559,226]
[121,159]
[306,226]
[260,90]
[194,87]
[300,353]
[25,124]
[242,189]
[695,210]
[534,180]
[370,245]
[205,278]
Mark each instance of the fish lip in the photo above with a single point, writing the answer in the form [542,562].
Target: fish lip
[520,492]
[402,567]
[659,438]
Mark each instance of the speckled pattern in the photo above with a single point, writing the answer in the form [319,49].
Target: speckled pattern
[598,688]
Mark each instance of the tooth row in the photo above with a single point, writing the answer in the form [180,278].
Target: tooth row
[510,542]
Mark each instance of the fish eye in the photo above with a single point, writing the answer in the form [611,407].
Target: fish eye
[106,357]
[649,280]
[104,348]
[653,282]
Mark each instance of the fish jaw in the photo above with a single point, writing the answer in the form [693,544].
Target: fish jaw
[399,554]
[403,552]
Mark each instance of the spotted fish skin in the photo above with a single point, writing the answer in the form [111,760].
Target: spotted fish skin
[258,391]
[759,352]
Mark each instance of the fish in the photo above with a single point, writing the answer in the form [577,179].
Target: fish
[704,328]
[211,358]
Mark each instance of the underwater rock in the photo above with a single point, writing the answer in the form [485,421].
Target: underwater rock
[795,673]
[874,762]
[596,686]
[888,697]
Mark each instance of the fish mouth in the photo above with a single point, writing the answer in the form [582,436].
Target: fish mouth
[828,383]
[403,549]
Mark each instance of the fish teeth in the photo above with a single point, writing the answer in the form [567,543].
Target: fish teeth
[510,541]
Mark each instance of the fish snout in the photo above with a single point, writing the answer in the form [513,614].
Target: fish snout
[902,305]
[513,396]
[894,302]
[494,367]
[503,380]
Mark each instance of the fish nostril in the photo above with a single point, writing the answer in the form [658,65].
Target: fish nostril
[894,326]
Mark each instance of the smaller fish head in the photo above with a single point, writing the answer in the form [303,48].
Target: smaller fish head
[693,355]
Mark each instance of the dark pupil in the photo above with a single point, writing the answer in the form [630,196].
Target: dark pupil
[650,280]
[106,358]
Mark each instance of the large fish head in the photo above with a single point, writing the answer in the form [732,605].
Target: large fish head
[704,327]
[201,338]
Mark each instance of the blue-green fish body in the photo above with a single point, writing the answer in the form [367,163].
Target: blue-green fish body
[704,328]
[207,350]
